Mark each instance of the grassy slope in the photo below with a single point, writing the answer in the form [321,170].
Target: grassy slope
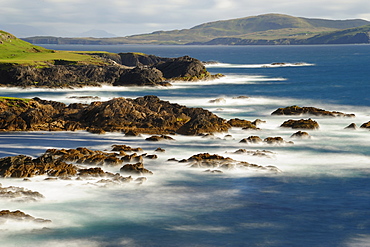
[16,51]
[269,26]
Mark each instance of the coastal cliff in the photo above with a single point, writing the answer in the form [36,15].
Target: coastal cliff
[125,69]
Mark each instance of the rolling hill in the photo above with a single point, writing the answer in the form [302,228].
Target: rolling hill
[272,28]
[16,51]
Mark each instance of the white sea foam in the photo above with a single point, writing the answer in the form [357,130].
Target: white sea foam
[253,66]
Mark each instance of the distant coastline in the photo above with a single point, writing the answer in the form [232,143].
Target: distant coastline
[269,29]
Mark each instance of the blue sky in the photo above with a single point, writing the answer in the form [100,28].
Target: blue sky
[127,17]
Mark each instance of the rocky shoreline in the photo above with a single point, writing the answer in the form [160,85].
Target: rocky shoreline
[146,114]
[123,69]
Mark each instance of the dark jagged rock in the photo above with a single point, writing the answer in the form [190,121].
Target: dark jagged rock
[141,76]
[274,140]
[159,138]
[84,156]
[19,216]
[146,114]
[365,125]
[245,124]
[351,126]
[22,166]
[150,70]
[301,124]
[184,68]
[301,135]
[251,139]
[60,76]
[296,110]
[139,59]
[135,169]
[126,148]
[160,150]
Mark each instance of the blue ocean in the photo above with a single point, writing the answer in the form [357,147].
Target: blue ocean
[320,197]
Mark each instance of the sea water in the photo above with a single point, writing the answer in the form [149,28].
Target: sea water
[321,196]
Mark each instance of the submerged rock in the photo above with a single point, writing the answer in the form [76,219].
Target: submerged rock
[19,194]
[301,135]
[19,216]
[214,162]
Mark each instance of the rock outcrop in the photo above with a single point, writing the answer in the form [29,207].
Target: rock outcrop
[301,135]
[296,110]
[141,76]
[242,123]
[56,76]
[146,70]
[146,114]
[365,125]
[301,124]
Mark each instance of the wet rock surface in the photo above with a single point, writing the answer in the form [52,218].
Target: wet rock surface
[301,124]
[146,114]
[301,135]
[296,110]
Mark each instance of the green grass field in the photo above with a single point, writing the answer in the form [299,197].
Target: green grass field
[16,51]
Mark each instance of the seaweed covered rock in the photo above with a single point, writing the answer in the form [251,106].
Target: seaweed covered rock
[301,124]
[296,110]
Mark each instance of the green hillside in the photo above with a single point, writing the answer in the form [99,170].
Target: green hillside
[262,27]
[17,51]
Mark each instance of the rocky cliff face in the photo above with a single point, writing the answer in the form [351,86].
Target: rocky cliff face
[149,71]
[60,75]
[146,114]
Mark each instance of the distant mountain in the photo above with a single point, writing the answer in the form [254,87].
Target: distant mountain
[96,34]
[262,29]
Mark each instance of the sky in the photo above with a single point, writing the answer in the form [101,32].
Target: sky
[127,17]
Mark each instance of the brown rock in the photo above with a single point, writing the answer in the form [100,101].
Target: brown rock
[137,169]
[301,124]
[251,139]
[296,110]
[301,134]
